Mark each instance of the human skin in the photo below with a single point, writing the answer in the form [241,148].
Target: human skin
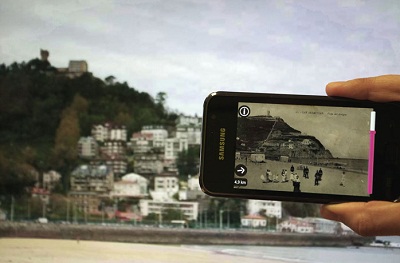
[372,218]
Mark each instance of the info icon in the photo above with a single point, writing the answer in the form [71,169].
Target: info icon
[244,111]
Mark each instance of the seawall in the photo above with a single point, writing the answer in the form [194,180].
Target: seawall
[151,235]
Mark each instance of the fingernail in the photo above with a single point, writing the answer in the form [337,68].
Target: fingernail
[335,84]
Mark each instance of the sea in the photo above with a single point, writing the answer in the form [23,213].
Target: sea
[312,254]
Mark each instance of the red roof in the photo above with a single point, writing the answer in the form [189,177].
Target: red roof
[40,191]
[127,216]
[147,136]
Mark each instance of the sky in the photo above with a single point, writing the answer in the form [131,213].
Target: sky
[190,48]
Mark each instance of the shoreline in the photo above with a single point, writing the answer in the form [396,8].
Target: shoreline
[152,235]
[49,250]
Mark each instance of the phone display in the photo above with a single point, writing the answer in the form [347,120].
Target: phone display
[299,148]
[303,148]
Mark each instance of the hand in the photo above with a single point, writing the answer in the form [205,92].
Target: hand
[375,217]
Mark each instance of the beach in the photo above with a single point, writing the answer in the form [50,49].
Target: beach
[22,250]
[354,183]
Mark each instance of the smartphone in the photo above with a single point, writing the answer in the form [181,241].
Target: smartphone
[300,148]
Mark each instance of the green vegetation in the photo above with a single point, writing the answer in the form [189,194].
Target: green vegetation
[43,114]
[188,162]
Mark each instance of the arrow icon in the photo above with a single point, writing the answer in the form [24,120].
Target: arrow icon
[240,170]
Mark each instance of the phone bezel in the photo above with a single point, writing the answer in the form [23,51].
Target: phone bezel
[220,110]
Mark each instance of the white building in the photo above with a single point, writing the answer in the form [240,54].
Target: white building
[142,142]
[323,226]
[271,208]
[159,135]
[50,180]
[167,184]
[190,133]
[78,66]
[109,131]
[119,165]
[189,120]
[193,183]
[118,133]
[100,132]
[295,225]
[189,128]
[173,146]
[191,190]
[131,186]
[253,221]
[92,178]
[189,209]
[148,163]
[311,225]
[306,142]
[113,148]
[87,147]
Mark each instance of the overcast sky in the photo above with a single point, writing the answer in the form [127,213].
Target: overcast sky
[190,48]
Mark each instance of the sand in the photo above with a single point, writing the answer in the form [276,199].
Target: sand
[354,183]
[18,250]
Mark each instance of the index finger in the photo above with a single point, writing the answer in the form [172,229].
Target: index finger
[381,88]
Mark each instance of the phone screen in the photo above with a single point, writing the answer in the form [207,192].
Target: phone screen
[304,148]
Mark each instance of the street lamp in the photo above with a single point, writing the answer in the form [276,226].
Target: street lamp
[12,209]
[43,208]
[67,214]
[220,218]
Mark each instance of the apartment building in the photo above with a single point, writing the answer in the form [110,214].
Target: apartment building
[159,134]
[166,183]
[109,131]
[90,183]
[87,147]
[92,178]
[130,186]
[190,210]
[271,208]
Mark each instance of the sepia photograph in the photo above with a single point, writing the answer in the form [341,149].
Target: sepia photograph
[304,148]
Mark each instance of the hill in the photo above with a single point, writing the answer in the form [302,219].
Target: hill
[43,114]
[274,137]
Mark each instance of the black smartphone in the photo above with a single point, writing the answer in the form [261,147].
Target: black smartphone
[300,148]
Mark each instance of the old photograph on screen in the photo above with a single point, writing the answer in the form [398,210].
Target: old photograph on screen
[301,148]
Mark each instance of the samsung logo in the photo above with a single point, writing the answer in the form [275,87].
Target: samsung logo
[221,149]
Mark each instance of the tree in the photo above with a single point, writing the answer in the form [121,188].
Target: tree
[16,176]
[68,131]
[161,98]
[188,162]
[67,136]
[110,80]
[173,214]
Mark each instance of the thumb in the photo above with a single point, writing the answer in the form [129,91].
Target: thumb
[367,219]
[381,88]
